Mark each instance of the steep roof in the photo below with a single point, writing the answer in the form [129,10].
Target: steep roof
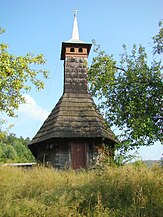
[74,116]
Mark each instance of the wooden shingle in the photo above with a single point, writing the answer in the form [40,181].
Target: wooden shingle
[75,115]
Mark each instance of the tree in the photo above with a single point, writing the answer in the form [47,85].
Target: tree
[13,149]
[17,74]
[8,153]
[130,94]
[158,40]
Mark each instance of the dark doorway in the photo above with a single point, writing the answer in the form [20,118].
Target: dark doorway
[78,155]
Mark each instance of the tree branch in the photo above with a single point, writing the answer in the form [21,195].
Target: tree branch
[119,68]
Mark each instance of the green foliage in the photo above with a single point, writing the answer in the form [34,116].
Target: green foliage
[13,149]
[103,160]
[8,152]
[17,75]
[130,191]
[158,40]
[131,94]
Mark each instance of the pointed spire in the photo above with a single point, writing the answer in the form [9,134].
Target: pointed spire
[75,40]
[75,31]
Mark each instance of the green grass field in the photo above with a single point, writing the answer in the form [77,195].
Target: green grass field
[129,191]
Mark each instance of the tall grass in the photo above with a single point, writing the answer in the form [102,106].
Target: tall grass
[127,191]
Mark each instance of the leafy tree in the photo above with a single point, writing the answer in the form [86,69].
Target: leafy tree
[13,149]
[158,40]
[8,153]
[130,93]
[17,75]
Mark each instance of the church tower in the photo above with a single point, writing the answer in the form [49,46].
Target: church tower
[74,131]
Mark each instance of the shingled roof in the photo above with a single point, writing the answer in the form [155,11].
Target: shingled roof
[74,116]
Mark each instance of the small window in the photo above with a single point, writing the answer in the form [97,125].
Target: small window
[72,49]
[80,50]
[49,146]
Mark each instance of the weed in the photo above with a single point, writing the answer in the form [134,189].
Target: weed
[129,191]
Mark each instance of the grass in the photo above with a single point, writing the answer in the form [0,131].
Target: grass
[128,191]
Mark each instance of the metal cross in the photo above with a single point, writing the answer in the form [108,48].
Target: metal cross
[75,12]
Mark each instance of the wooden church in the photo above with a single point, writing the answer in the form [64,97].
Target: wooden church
[74,132]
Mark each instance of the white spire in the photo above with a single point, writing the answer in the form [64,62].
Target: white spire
[75,31]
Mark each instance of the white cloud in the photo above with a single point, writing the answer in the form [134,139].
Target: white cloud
[32,110]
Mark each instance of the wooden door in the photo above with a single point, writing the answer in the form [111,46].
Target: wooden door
[78,155]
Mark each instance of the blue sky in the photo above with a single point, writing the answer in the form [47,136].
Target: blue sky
[40,26]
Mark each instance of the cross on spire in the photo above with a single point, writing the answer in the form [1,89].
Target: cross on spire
[75,12]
